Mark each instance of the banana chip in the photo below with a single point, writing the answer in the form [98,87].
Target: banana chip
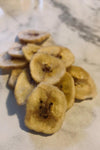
[48,42]
[66,85]
[29,50]
[62,53]
[45,109]
[84,85]
[13,77]
[23,87]
[32,36]
[47,68]
[6,62]
[16,51]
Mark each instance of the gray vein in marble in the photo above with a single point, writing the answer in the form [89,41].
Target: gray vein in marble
[85,32]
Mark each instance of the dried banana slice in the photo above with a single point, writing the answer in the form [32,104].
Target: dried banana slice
[16,50]
[29,50]
[32,36]
[13,77]
[44,67]
[48,42]
[23,87]
[66,85]
[84,85]
[78,72]
[45,109]
[6,62]
[62,53]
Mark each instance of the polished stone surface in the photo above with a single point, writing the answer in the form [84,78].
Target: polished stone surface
[76,25]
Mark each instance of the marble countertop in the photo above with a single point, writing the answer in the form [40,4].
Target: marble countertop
[76,25]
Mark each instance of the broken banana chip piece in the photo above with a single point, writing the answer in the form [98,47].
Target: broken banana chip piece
[6,62]
[13,77]
[16,51]
[47,68]
[29,50]
[62,53]
[66,85]
[23,87]
[45,109]
[32,36]
[48,42]
[84,85]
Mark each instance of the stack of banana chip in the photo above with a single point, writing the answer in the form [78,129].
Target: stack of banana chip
[44,78]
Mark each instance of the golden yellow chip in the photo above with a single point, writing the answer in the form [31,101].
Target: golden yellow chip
[23,87]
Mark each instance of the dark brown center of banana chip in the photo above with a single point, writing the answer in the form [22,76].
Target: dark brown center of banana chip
[33,34]
[59,56]
[46,68]
[45,109]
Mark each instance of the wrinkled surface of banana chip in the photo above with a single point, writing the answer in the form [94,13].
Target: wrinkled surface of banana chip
[62,53]
[45,109]
[66,84]
[6,62]
[84,85]
[13,77]
[46,68]
[23,87]
[33,36]
[29,50]
[16,50]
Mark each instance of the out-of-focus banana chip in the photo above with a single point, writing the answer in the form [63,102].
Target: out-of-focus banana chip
[23,87]
[48,42]
[16,50]
[62,53]
[84,85]
[6,62]
[66,85]
[29,50]
[45,109]
[32,36]
[47,68]
[13,77]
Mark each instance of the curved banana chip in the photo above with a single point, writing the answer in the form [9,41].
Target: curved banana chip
[66,84]
[16,50]
[23,87]
[13,77]
[48,42]
[84,85]
[6,62]
[62,53]
[47,68]
[32,36]
[29,50]
[45,109]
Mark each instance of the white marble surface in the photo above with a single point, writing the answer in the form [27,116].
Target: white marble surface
[75,24]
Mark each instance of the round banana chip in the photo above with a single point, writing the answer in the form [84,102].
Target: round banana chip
[16,50]
[6,62]
[13,77]
[48,42]
[23,87]
[66,85]
[84,85]
[29,50]
[45,109]
[78,72]
[32,36]
[44,67]
[62,53]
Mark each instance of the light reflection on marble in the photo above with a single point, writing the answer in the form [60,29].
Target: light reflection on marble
[76,25]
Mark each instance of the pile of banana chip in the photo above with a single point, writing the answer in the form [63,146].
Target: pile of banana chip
[45,80]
